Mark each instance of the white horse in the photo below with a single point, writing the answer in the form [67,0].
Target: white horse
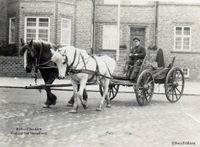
[82,67]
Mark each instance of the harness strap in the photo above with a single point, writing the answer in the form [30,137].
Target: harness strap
[68,67]
[83,61]
[97,66]
[108,70]
[97,70]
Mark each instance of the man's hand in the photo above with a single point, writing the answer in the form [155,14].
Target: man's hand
[131,55]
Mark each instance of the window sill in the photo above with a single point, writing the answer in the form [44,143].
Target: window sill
[108,50]
[185,52]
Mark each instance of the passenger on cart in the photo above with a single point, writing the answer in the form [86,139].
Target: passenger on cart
[155,57]
[136,56]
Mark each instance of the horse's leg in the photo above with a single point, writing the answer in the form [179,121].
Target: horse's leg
[81,90]
[48,79]
[75,97]
[105,84]
[71,101]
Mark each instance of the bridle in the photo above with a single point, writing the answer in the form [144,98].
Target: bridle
[38,65]
[69,67]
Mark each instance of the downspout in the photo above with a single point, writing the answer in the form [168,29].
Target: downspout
[156,22]
[94,26]
[56,22]
[18,17]
[75,21]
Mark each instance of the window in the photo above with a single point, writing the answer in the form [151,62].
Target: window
[65,31]
[111,1]
[186,72]
[182,40]
[12,23]
[37,28]
[110,37]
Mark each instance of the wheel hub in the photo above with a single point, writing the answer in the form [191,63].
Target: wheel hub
[175,85]
[146,86]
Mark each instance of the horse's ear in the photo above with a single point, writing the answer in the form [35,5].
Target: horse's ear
[31,43]
[52,52]
[22,41]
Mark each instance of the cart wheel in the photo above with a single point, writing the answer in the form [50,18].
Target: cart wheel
[144,88]
[174,85]
[112,92]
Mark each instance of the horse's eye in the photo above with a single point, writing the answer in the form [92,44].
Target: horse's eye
[64,62]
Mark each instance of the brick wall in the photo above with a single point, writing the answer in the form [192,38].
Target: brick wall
[131,16]
[180,15]
[12,67]
[3,21]
[83,30]
[49,8]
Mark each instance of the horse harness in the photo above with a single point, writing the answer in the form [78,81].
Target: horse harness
[37,65]
[84,69]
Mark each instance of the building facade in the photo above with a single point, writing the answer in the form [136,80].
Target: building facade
[174,27]
[64,22]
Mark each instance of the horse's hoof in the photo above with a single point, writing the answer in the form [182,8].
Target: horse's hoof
[98,109]
[108,105]
[54,103]
[46,106]
[73,111]
[85,106]
[69,105]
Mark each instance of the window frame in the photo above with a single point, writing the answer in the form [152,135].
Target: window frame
[182,36]
[188,72]
[70,31]
[104,47]
[10,35]
[37,27]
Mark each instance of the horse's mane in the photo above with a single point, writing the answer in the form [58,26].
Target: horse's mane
[40,44]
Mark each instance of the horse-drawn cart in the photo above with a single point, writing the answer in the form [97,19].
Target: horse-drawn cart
[144,83]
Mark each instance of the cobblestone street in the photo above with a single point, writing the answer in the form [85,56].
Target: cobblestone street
[25,123]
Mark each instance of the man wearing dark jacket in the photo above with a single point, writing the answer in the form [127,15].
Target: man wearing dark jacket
[136,53]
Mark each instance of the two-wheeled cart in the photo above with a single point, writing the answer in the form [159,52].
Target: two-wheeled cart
[144,83]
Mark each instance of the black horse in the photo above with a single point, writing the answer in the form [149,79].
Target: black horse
[37,54]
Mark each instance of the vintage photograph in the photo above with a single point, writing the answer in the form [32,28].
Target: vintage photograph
[100,73]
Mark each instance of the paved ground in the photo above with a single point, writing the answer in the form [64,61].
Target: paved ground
[25,123]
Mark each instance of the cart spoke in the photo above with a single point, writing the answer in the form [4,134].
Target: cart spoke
[172,94]
[176,94]
[148,94]
[112,91]
[178,90]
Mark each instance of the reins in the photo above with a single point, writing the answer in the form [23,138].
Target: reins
[40,66]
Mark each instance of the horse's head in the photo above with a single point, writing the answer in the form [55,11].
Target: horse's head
[29,53]
[60,58]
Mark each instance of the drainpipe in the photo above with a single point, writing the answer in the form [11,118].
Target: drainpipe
[94,26]
[56,22]
[18,17]
[156,22]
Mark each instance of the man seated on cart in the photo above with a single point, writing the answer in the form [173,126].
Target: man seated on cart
[136,56]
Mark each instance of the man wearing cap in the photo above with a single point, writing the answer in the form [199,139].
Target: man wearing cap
[136,53]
